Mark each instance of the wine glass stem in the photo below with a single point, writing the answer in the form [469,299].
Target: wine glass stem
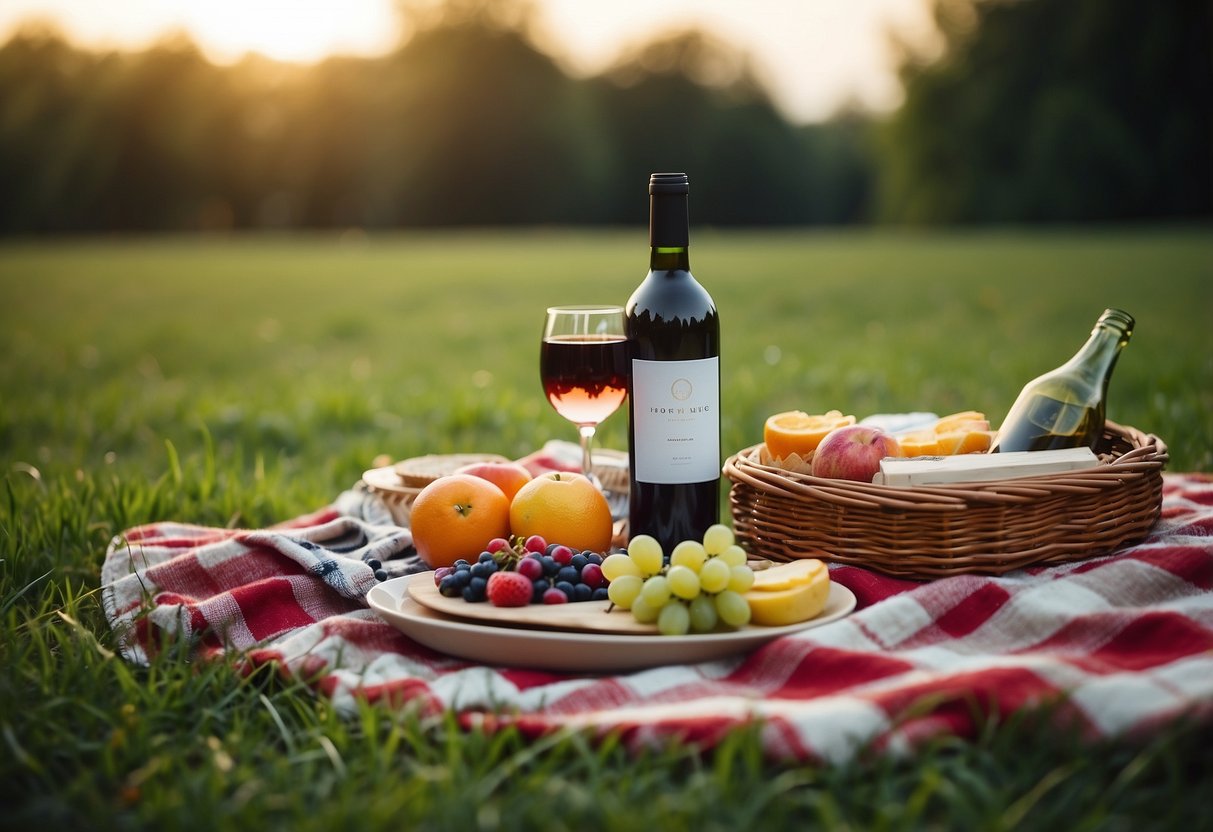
[587,439]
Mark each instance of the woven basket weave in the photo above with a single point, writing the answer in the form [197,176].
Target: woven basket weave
[936,531]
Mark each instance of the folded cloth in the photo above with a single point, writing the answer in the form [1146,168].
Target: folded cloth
[555,455]
[234,588]
[1118,644]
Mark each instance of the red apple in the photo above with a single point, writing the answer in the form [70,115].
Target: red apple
[508,476]
[853,453]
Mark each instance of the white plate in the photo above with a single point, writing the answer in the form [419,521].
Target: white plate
[574,651]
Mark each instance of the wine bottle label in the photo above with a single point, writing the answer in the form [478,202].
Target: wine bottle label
[676,427]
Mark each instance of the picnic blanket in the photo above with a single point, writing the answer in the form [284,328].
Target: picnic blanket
[1117,645]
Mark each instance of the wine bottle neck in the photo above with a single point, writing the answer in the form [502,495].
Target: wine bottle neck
[669,221]
[669,258]
[1098,355]
[669,230]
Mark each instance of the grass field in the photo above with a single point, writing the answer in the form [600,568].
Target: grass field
[242,381]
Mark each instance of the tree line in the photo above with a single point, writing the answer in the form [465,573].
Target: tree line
[1037,110]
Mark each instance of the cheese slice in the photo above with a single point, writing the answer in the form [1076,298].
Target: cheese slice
[789,593]
[786,575]
[937,470]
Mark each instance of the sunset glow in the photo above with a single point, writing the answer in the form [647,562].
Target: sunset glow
[292,31]
[287,30]
[814,56]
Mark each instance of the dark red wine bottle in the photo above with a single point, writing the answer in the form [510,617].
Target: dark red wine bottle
[673,335]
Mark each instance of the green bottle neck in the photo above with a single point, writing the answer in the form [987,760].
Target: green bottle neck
[1097,357]
[669,230]
[669,258]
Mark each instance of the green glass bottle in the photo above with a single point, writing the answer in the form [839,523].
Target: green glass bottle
[1065,408]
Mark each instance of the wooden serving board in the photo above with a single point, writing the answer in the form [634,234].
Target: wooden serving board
[586,616]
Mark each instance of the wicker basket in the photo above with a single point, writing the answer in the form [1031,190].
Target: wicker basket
[611,468]
[936,531]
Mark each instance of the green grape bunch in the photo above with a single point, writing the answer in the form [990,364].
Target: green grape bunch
[698,589]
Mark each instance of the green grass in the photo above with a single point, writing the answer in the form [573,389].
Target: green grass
[243,381]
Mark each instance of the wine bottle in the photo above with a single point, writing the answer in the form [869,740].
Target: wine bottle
[673,334]
[1065,407]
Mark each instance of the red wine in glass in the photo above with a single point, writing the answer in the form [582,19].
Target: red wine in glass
[583,363]
[585,377]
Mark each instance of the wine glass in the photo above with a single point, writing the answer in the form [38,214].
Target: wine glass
[584,367]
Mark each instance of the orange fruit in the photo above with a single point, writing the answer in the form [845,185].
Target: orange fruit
[965,420]
[965,441]
[965,432]
[455,517]
[919,443]
[946,443]
[796,432]
[563,508]
[508,476]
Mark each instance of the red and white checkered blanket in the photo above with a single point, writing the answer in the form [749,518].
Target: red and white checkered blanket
[1121,643]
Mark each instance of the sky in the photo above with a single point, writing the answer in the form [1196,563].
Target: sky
[814,55]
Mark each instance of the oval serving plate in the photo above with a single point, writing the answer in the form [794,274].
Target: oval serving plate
[573,651]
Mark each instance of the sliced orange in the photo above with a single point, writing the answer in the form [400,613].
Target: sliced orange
[966,432]
[796,432]
[965,441]
[967,420]
[920,443]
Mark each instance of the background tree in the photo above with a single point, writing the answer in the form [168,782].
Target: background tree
[476,126]
[1047,110]
[1035,110]
[690,102]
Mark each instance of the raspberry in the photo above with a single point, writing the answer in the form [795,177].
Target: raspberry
[509,589]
